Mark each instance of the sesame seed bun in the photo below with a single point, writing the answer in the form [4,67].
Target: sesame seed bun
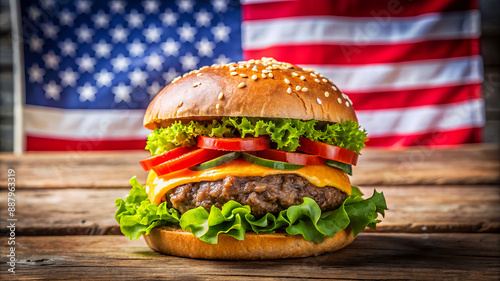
[257,88]
[174,241]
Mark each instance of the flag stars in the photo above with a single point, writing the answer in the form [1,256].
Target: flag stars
[220,5]
[169,18]
[120,63]
[68,47]
[35,74]
[222,59]
[186,32]
[68,77]
[122,92]
[102,49]
[136,48]
[117,7]
[170,75]
[51,60]
[171,47]
[84,34]
[205,47]
[154,88]
[101,19]
[151,6]
[66,17]
[134,19]
[52,90]
[137,77]
[189,62]
[86,63]
[154,62]
[221,32]
[34,13]
[87,92]
[36,44]
[119,34]
[152,34]
[83,6]
[104,78]
[203,18]
[185,6]
[50,30]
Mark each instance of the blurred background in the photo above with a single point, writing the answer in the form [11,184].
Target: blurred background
[418,72]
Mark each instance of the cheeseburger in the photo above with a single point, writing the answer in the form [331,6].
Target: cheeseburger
[250,160]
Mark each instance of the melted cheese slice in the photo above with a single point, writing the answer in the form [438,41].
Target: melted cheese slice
[320,176]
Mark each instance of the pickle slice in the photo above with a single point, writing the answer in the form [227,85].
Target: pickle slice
[216,162]
[270,163]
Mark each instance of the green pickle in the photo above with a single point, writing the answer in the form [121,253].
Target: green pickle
[216,162]
[339,165]
[270,163]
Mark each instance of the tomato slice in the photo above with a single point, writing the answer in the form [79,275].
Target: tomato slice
[171,154]
[290,157]
[234,144]
[328,151]
[187,160]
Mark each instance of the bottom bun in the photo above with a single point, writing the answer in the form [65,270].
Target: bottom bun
[176,242]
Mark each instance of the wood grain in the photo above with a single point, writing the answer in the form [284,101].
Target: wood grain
[371,256]
[474,164]
[412,209]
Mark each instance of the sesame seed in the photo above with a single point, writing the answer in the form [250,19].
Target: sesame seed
[180,104]
[334,88]
[313,75]
[304,89]
[347,103]
[232,68]
[254,77]
[251,61]
[241,66]
[318,100]
[234,73]
[287,81]
[176,78]
[221,95]
[185,74]
[199,74]
[264,76]
[303,78]
[327,94]
[217,106]
[344,96]
[255,69]
[317,80]
[289,90]
[196,84]
[324,80]
[271,75]
[339,100]
[266,71]
[241,85]
[298,88]
[295,74]
[244,75]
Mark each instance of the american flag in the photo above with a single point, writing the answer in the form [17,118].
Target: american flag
[412,68]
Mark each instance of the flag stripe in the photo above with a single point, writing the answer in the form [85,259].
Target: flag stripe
[342,30]
[375,9]
[339,54]
[84,124]
[436,138]
[414,98]
[53,144]
[404,75]
[424,119]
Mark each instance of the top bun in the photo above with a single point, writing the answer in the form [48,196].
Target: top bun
[255,88]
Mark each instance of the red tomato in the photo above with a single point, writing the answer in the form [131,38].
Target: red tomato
[171,154]
[328,151]
[234,144]
[187,160]
[290,157]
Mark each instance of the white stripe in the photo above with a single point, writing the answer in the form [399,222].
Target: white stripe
[417,120]
[84,124]
[404,75]
[349,30]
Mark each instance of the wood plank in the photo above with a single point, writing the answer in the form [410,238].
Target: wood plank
[371,256]
[412,209]
[473,164]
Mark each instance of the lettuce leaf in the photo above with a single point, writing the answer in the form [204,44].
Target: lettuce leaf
[284,133]
[137,216]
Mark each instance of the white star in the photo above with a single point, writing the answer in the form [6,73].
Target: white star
[220,5]
[122,92]
[102,49]
[48,4]
[66,17]
[86,63]
[171,47]
[203,18]
[189,62]
[34,13]
[84,34]
[151,6]
[169,18]
[221,32]
[170,75]
[152,34]
[117,7]
[35,74]
[222,59]
[87,92]
[134,19]
[68,47]
[50,30]
[83,6]
[120,63]
[68,77]
[51,60]
[138,77]
[185,6]
[119,34]
[154,88]
[205,48]
[186,32]
[36,44]
[104,78]
[101,19]
[52,90]
[154,62]
[136,48]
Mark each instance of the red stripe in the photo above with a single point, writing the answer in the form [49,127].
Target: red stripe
[415,97]
[378,10]
[368,54]
[52,144]
[439,138]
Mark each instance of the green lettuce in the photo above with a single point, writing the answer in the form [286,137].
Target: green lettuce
[284,133]
[137,216]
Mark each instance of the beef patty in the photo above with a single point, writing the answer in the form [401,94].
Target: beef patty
[269,194]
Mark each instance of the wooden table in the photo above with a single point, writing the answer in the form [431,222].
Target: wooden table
[443,222]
